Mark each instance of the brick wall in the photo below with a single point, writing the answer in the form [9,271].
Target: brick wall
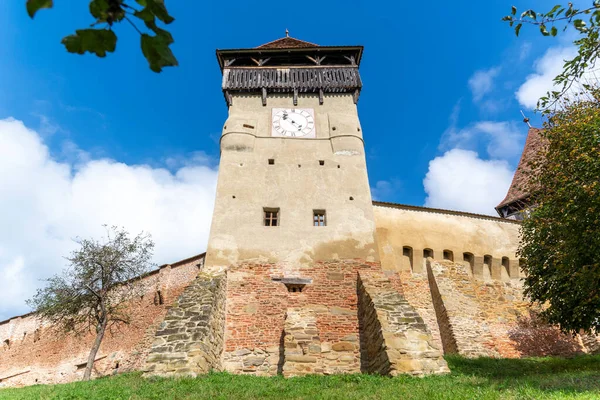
[258,303]
[34,352]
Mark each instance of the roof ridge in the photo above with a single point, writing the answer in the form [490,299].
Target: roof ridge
[296,42]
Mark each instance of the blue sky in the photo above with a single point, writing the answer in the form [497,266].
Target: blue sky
[89,141]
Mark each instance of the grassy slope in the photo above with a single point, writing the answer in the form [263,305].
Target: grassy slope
[484,378]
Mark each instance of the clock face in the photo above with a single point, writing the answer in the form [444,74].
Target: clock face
[293,122]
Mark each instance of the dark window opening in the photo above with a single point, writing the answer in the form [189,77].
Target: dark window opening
[427,253]
[470,258]
[294,288]
[487,261]
[271,216]
[271,161]
[321,162]
[506,265]
[158,298]
[319,218]
[448,255]
[408,253]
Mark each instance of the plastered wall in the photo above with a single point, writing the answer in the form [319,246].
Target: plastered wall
[323,173]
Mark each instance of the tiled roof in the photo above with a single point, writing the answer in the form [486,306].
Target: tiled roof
[287,43]
[517,191]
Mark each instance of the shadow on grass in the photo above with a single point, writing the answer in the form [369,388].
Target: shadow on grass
[547,374]
[512,368]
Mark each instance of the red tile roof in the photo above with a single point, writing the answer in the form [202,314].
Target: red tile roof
[287,43]
[517,190]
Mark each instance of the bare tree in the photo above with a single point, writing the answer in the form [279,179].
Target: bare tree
[94,291]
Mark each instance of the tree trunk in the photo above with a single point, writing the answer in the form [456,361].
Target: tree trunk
[99,336]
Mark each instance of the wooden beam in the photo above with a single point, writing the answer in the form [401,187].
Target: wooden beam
[351,59]
[321,96]
[264,96]
[229,62]
[295,96]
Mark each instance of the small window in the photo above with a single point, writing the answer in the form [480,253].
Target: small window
[319,218]
[321,162]
[487,261]
[271,161]
[427,253]
[506,265]
[407,252]
[470,258]
[271,216]
[448,255]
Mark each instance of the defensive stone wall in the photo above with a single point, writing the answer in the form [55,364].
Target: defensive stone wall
[262,310]
[491,318]
[32,351]
[190,339]
[394,338]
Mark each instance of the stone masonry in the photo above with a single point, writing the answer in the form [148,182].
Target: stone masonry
[394,338]
[190,339]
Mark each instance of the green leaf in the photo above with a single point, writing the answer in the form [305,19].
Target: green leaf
[145,15]
[157,8]
[543,30]
[157,52]
[579,23]
[33,6]
[551,12]
[553,31]
[97,41]
[518,29]
[513,10]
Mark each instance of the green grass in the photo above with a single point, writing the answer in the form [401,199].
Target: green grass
[483,378]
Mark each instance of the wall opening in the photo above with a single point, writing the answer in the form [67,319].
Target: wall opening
[321,162]
[427,253]
[319,218]
[271,216]
[407,254]
[448,255]
[159,298]
[487,262]
[271,161]
[470,258]
[506,265]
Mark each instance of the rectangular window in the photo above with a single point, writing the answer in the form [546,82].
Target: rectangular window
[271,216]
[319,218]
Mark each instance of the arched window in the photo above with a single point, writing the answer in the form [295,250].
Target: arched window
[506,265]
[470,258]
[427,253]
[487,262]
[448,255]
[407,254]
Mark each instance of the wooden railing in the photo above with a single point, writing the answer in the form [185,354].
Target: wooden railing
[327,79]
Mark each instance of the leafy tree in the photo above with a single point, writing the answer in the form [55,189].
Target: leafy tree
[100,37]
[586,22]
[94,292]
[560,243]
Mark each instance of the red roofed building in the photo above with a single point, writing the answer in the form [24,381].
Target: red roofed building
[518,198]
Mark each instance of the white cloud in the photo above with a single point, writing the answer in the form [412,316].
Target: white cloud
[546,68]
[482,82]
[504,139]
[460,180]
[45,203]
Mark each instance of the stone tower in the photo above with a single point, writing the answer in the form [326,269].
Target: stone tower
[292,283]
[293,187]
